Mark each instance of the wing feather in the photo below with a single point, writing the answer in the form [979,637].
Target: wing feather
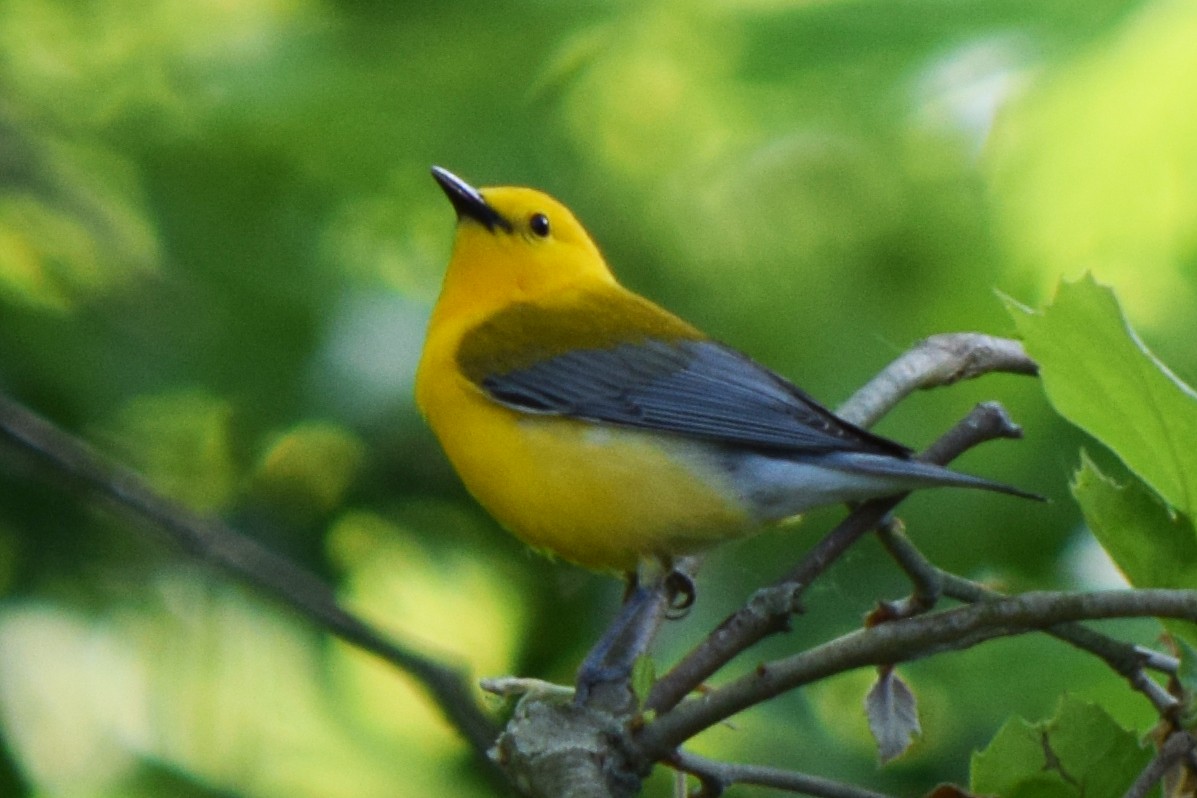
[696,388]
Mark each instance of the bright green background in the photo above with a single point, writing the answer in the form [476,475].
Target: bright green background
[219,244]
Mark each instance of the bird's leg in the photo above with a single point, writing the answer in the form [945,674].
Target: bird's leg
[608,667]
[652,594]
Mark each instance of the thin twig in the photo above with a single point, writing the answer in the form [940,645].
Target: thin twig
[718,776]
[228,549]
[1126,659]
[925,576]
[1158,660]
[1178,745]
[770,608]
[904,640]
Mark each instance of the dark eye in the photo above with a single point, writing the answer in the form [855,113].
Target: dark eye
[539,224]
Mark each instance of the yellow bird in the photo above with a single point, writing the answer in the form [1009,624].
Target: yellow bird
[599,427]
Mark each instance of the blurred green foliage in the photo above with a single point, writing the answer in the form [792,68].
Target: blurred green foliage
[219,244]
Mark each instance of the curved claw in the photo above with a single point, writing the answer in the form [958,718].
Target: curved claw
[680,593]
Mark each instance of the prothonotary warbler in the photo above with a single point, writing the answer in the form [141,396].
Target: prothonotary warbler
[599,427]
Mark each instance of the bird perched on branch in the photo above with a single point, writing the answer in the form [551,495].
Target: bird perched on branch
[599,427]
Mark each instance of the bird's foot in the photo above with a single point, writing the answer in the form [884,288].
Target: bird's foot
[609,665]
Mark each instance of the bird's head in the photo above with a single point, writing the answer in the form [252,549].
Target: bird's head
[516,244]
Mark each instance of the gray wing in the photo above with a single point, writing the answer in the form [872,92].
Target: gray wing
[695,388]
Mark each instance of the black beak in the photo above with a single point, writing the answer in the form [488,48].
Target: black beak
[467,201]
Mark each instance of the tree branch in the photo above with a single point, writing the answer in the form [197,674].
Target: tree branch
[1179,745]
[718,776]
[934,362]
[243,557]
[1126,659]
[901,641]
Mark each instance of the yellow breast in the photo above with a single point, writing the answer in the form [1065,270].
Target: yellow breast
[601,496]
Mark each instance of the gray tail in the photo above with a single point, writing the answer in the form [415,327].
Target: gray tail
[917,474]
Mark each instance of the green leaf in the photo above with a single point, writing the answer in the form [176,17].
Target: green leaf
[1079,752]
[1102,757]
[1186,674]
[1013,760]
[1152,546]
[644,674]
[1101,377]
